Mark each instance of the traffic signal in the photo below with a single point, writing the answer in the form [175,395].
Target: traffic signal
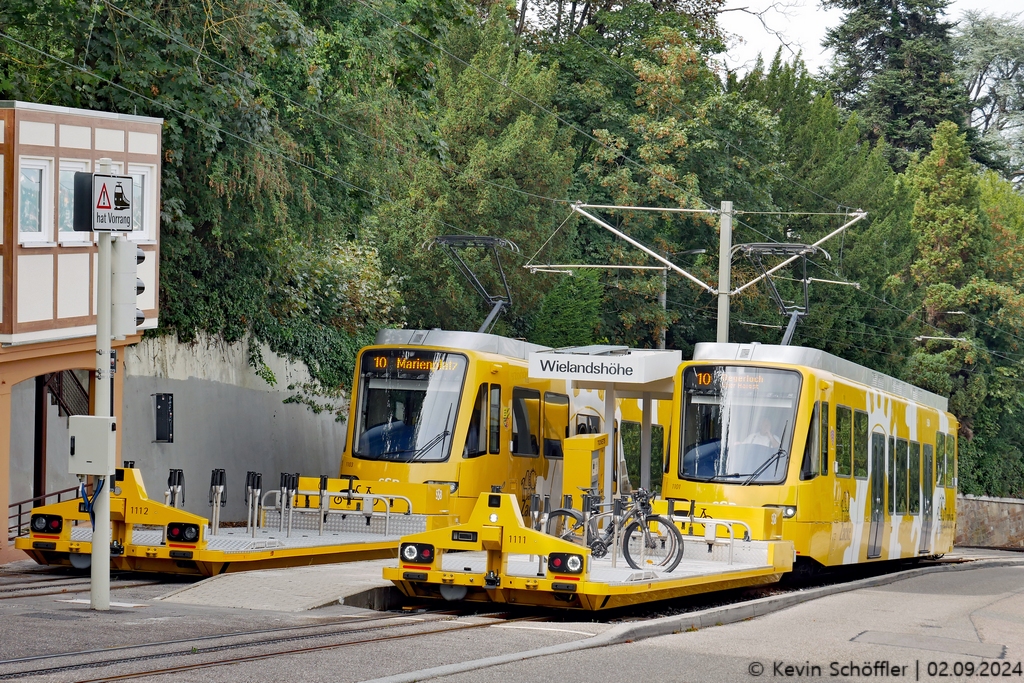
[125,287]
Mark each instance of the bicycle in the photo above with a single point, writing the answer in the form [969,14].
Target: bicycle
[647,539]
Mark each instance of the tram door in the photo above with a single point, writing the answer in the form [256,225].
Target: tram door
[927,498]
[877,495]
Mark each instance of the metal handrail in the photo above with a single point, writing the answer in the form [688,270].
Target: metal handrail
[714,524]
[17,528]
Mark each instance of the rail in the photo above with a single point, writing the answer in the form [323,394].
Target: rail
[17,529]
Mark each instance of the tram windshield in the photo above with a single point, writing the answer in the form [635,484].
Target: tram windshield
[408,403]
[737,423]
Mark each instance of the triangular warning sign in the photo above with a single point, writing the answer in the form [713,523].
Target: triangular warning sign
[104,201]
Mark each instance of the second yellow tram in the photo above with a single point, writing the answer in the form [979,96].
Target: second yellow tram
[858,466]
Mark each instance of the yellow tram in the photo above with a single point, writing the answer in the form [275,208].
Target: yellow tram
[859,466]
[459,409]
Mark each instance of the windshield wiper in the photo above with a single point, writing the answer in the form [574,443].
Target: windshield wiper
[427,447]
[773,459]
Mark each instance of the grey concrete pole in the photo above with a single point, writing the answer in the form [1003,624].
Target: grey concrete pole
[645,442]
[610,461]
[724,271]
[663,299]
[100,571]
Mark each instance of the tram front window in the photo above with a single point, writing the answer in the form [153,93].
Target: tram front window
[737,423]
[408,403]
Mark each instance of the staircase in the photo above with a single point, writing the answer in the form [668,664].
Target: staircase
[67,392]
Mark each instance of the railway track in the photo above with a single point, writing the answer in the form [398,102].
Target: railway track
[59,585]
[276,642]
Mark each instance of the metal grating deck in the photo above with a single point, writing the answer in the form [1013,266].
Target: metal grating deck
[238,540]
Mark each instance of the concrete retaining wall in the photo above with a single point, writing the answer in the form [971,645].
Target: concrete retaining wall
[225,416]
[990,522]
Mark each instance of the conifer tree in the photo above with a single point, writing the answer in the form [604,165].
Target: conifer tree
[894,65]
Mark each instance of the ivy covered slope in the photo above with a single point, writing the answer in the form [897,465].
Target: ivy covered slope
[314,149]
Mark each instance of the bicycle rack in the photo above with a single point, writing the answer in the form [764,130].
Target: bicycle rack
[174,496]
[217,498]
[253,494]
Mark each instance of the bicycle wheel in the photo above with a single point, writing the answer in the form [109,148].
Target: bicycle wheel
[566,524]
[656,543]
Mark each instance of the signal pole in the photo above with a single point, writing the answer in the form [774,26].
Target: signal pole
[100,571]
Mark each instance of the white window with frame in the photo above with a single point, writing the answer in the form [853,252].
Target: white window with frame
[143,201]
[66,202]
[35,200]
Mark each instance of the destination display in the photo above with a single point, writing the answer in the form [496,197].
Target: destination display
[391,361]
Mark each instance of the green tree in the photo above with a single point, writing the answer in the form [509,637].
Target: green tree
[259,194]
[571,311]
[968,296]
[894,65]
[498,147]
[990,59]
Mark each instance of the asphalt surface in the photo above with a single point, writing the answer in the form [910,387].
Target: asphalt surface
[944,618]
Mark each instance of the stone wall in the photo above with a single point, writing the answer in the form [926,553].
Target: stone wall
[990,522]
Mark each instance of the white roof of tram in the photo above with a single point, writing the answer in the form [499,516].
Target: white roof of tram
[818,360]
[467,341]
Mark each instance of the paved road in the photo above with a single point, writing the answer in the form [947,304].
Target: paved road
[949,617]
[943,623]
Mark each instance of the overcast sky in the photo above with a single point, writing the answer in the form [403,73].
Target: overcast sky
[803,25]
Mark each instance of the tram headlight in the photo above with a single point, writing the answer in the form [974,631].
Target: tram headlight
[453,486]
[789,512]
[565,563]
[180,532]
[47,524]
[417,552]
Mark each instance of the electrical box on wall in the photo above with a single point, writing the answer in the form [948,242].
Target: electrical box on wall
[93,445]
[164,418]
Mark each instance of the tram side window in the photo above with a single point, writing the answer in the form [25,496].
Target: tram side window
[556,423]
[476,437]
[525,422]
[812,457]
[844,439]
[914,485]
[940,459]
[494,445]
[927,468]
[950,461]
[901,477]
[860,444]
[824,438]
[878,446]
